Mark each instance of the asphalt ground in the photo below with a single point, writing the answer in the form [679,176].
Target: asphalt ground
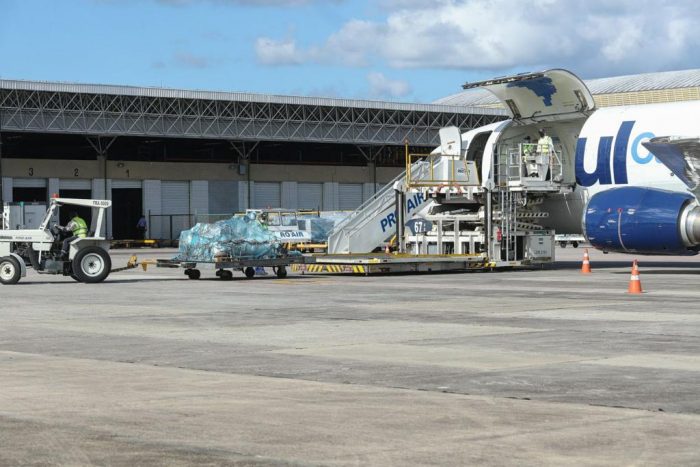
[541,367]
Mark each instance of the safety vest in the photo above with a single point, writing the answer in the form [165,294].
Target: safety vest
[544,144]
[80,228]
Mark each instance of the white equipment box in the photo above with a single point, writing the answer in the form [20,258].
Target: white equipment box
[22,216]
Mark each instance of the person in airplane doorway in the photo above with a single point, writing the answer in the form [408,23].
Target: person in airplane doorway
[545,145]
[529,158]
[77,227]
[142,227]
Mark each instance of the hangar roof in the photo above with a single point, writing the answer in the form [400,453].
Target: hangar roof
[136,91]
[113,111]
[613,85]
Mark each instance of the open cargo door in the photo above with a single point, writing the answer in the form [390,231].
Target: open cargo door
[544,96]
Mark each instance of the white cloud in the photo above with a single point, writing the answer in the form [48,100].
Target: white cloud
[593,37]
[381,86]
[272,52]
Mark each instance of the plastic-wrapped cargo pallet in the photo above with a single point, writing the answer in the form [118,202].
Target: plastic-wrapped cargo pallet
[321,227]
[238,237]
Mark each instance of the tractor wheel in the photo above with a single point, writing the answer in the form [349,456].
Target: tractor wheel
[249,272]
[92,265]
[10,270]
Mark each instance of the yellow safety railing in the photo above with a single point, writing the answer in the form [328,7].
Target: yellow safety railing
[430,180]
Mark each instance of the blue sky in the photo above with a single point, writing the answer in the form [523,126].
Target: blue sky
[405,50]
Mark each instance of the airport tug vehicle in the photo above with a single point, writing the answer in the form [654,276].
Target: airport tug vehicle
[87,259]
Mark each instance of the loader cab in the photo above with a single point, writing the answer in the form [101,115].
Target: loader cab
[554,100]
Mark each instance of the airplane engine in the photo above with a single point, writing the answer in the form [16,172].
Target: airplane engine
[643,220]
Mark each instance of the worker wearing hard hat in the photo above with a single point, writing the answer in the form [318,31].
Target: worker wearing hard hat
[77,227]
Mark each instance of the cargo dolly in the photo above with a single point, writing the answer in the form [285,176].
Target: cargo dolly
[225,266]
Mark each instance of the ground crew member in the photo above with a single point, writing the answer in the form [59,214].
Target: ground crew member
[142,226]
[529,157]
[77,227]
[545,145]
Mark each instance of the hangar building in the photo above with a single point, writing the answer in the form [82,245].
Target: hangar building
[179,156]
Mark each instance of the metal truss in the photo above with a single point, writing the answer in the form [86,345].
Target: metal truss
[44,111]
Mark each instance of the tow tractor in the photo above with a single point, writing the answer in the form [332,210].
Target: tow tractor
[87,260]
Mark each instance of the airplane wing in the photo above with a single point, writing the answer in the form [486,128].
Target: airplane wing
[681,155]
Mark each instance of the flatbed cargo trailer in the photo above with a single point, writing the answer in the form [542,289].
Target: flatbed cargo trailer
[225,266]
[382,263]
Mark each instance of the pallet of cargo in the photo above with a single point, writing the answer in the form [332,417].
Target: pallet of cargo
[225,266]
[381,263]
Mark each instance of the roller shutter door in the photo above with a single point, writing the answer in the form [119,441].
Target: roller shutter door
[29,183]
[126,184]
[223,197]
[175,202]
[267,195]
[349,196]
[75,184]
[310,195]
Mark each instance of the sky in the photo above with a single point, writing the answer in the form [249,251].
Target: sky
[398,50]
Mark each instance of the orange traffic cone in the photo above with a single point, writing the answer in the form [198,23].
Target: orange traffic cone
[586,265]
[635,284]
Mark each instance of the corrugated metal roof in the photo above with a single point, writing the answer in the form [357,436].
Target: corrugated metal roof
[645,82]
[52,86]
[613,85]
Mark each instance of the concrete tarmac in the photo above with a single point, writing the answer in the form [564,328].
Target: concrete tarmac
[541,367]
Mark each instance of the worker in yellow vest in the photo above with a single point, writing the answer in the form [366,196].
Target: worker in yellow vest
[78,229]
[545,146]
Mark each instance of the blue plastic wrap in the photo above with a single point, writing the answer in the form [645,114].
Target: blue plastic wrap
[321,227]
[238,237]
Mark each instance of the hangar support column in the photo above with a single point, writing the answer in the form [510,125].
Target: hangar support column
[101,145]
[370,153]
[245,189]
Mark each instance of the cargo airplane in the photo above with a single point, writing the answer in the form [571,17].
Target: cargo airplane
[633,171]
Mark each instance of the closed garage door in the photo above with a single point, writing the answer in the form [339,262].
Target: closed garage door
[223,197]
[175,208]
[310,195]
[350,196]
[267,195]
